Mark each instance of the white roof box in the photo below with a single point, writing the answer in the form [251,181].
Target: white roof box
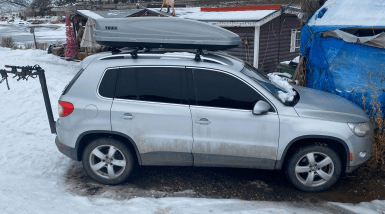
[161,32]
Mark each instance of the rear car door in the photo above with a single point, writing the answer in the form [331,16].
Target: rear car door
[225,131]
[151,106]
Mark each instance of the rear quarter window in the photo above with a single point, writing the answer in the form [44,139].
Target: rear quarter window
[108,84]
[76,77]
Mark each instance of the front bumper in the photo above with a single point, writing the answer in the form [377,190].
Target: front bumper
[359,145]
[352,168]
[66,150]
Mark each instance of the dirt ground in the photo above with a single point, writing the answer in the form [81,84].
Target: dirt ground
[246,184]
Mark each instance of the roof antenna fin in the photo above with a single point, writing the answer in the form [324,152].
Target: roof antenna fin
[134,53]
[198,54]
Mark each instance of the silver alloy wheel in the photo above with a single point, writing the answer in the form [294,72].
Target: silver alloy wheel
[314,169]
[107,161]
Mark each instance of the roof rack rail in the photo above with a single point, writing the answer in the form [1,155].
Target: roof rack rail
[134,52]
[121,55]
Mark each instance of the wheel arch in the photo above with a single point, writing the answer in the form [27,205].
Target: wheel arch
[337,144]
[86,137]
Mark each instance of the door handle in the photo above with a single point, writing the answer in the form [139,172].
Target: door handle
[203,121]
[127,116]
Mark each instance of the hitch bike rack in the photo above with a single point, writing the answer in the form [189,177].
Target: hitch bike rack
[23,73]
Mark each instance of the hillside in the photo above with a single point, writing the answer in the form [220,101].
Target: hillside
[5,6]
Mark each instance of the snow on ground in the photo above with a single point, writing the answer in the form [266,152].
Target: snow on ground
[32,169]
[19,30]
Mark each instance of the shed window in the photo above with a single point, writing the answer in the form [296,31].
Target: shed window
[295,40]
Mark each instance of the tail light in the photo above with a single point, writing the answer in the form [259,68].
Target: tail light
[65,108]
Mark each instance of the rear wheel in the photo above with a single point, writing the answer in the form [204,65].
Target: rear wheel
[108,161]
[314,168]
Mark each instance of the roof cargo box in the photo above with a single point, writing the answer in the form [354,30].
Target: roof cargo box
[158,32]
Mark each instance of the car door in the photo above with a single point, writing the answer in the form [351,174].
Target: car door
[225,131]
[151,107]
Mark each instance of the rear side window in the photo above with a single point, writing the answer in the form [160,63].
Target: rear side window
[216,89]
[126,87]
[159,85]
[68,87]
[150,84]
[107,86]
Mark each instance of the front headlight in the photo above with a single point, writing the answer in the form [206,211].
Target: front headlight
[360,129]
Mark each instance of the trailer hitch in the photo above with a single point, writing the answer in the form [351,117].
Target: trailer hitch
[23,73]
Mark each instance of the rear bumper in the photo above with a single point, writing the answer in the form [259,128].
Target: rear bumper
[66,150]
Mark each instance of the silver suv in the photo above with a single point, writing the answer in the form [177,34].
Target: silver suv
[167,108]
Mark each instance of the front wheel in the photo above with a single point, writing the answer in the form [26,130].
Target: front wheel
[314,168]
[108,161]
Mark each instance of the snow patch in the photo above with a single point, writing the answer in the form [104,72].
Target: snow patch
[195,13]
[229,16]
[279,81]
[296,60]
[351,13]
[90,14]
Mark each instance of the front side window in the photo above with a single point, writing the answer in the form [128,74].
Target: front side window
[150,84]
[216,89]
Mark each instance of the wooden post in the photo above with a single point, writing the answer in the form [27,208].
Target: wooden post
[86,52]
[34,39]
[257,35]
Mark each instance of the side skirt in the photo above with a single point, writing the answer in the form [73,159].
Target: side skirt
[232,161]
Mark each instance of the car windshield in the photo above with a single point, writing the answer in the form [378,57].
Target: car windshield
[262,79]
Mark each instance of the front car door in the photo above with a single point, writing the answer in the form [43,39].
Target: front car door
[225,131]
[151,107]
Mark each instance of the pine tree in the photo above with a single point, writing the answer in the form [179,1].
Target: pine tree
[72,48]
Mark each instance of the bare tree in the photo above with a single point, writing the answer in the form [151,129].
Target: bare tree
[311,6]
[37,4]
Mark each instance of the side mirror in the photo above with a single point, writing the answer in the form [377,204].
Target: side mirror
[261,107]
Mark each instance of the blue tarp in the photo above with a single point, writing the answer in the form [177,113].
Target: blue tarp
[339,67]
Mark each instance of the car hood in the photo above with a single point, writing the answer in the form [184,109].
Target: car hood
[322,105]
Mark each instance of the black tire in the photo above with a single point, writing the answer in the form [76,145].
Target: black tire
[330,173]
[104,175]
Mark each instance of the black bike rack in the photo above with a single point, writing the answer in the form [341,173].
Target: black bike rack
[23,73]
